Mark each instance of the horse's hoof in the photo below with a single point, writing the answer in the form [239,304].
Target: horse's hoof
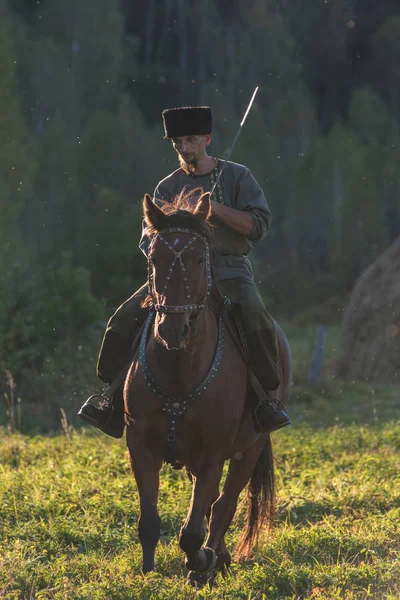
[223,563]
[204,563]
[211,560]
[199,580]
[196,580]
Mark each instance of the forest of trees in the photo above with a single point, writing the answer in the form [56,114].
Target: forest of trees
[82,87]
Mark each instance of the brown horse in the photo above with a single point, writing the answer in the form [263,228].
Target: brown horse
[186,397]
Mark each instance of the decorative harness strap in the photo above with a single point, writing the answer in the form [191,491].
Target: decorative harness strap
[178,259]
[177,406]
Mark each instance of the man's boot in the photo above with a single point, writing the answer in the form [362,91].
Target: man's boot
[107,413]
[270,413]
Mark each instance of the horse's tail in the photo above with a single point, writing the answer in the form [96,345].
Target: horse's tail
[260,501]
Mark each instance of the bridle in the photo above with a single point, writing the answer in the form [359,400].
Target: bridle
[177,259]
[177,406]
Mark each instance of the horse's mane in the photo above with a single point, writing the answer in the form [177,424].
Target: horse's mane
[180,213]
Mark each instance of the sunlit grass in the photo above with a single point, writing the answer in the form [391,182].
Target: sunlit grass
[69,506]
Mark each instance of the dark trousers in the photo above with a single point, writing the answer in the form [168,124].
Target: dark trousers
[258,327]
[257,323]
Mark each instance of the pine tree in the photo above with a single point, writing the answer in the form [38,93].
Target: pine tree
[385,62]
[118,161]
[16,152]
[55,209]
[89,36]
[379,130]
[17,167]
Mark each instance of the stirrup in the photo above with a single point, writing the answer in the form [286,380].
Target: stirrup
[275,407]
[103,415]
[92,412]
[105,400]
[274,402]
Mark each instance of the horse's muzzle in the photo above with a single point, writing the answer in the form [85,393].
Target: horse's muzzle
[173,338]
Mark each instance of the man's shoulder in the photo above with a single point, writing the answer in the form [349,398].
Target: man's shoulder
[170,179]
[235,168]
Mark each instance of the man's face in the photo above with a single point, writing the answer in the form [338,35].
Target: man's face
[190,149]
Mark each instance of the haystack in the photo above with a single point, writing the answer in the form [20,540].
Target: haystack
[370,336]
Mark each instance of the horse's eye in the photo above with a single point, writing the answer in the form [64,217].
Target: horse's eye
[201,261]
[152,262]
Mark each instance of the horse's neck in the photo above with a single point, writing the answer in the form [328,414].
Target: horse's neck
[179,371]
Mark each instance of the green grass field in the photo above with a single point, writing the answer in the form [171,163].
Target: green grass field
[69,507]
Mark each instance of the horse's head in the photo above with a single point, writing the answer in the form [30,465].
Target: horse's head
[179,264]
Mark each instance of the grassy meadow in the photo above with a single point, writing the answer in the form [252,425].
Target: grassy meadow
[69,507]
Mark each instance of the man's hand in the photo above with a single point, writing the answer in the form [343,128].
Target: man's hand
[240,221]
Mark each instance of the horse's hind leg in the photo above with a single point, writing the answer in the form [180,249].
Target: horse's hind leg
[205,490]
[146,469]
[223,510]
[223,554]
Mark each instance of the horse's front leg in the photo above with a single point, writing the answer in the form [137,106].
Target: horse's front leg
[205,490]
[146,467]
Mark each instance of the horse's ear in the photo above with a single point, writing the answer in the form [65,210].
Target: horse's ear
[153,216]
[203,207]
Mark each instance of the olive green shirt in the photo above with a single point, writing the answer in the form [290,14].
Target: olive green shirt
[239,190]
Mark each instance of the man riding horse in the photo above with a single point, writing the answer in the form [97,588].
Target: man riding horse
[241,217]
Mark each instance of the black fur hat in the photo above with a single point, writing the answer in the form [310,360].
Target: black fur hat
[187,120]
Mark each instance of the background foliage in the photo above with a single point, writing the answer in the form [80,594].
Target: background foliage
[82,88]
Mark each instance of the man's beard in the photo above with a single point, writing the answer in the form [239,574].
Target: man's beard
[188,167]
